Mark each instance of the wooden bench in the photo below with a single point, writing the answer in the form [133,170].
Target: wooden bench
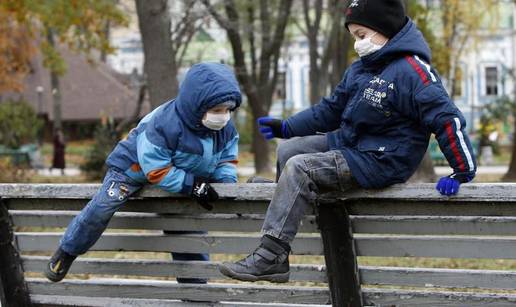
[402,221]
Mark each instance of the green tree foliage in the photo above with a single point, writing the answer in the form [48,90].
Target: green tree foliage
[14,130]
[79,24]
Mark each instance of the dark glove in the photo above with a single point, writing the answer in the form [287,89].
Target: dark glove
[204,193]
[272,128]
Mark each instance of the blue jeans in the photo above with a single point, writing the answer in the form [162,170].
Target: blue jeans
[87,227]
[306,167]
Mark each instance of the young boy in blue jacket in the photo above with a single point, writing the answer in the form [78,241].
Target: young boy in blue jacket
[182,146]
[377,125]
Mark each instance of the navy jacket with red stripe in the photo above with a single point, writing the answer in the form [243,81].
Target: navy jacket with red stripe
[383,112]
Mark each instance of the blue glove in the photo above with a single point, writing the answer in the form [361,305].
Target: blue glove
[448,186]
[272,128]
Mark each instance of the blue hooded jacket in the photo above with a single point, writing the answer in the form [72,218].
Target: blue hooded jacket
[383,112]
[170,146]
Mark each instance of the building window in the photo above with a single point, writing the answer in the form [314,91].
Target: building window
[459,83]
[491,74]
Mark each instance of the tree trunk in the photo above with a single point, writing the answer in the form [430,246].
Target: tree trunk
[260,146]
[315,80]
[511,173]
[154,23]
[107,32]
[55,87]
[425,172]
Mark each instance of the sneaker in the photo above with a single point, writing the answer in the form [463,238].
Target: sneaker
[268,262]
[59,265]
[258,179]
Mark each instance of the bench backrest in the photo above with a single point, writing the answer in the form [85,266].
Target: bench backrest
[40,213]
[402,221]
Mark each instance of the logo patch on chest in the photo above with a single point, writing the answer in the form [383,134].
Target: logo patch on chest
[376,93]
[374,97]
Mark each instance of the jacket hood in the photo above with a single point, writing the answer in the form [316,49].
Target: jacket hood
[205,86]
[409,41]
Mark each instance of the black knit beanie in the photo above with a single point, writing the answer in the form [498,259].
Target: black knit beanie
[384,16]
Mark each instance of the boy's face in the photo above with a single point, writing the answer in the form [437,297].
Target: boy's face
[360,32]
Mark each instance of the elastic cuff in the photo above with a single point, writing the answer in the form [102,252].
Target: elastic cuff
[272,233]
[188,184]
[285,131]
[463,177]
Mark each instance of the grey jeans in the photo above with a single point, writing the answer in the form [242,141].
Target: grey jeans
[306,167]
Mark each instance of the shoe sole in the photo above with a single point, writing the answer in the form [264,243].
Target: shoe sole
[275,278]
[53,277]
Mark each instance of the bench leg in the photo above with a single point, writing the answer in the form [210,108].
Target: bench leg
[13,290]
[340,255]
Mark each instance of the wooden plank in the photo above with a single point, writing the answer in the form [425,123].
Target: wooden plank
[483,192]
[157,205]
[170,290]
[445,278]
[153,221]
[3,300]
[355,207]
[367,245]
[55,300]
[163,268]
[13,289]
[436,246]
[399,297]
[239,191]
[434,225]
[191,243]
[436,208]
[340,256]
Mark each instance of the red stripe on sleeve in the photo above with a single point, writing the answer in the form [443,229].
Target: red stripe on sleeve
[453,144]
[418,69]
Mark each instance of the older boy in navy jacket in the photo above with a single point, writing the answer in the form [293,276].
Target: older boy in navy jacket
[377,124]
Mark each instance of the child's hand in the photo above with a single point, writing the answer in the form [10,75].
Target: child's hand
[272,128]
[448,186]
[203,193]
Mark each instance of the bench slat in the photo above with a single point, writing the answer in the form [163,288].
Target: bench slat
[443,208]
[238,191]
[446,278]
[191,243]
[152,221]
[54,300]
[367,245]
[436,246]
[163,268]
[158,205]
[400,297]
[355,207]
[416,225]
[170,290]
[483,192]
[433,225]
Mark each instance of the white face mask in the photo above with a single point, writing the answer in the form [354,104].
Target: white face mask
[215,121]
[366,46]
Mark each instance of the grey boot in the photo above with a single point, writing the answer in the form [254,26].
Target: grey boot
[268,262]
